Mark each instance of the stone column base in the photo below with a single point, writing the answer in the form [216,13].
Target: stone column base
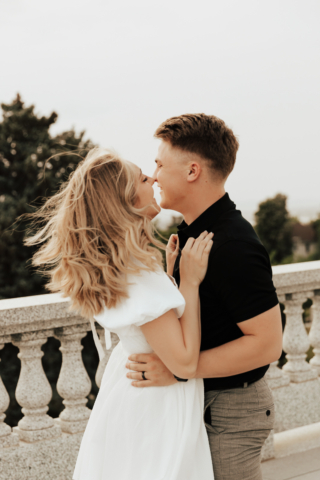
[31,436]
[72,427]
[11,440]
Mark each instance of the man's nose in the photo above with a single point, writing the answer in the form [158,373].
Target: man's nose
[154,176]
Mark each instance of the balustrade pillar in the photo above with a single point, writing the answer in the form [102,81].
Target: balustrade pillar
[314,334]
[295,340]
[33,392]
[276,377]
[7,438]
[102,363]
[74,383]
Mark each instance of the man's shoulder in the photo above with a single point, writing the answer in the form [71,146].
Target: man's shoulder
[233,227]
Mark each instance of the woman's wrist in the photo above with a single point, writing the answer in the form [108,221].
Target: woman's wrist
[189,282]
[170,266]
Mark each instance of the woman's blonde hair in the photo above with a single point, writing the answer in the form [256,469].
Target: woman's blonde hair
[92,235]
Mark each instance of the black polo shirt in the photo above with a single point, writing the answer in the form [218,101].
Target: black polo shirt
[238,284]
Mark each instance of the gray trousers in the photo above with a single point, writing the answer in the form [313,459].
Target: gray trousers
[241,420]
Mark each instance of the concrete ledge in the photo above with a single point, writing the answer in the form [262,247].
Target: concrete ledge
[52,459]
[297,277]
[297,440]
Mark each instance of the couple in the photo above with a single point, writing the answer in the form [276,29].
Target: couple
[198,416]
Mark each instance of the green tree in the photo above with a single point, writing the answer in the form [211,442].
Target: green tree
[164,235]
[27,177]
[316,225]
[274,228]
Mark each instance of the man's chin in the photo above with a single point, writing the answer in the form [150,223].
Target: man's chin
[164,205]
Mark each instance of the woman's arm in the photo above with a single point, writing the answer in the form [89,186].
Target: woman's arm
[177,342]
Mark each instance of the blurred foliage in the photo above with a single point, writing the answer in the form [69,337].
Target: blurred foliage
[29,174]
[316,225]
[274,228]
[33,165]
[164,235]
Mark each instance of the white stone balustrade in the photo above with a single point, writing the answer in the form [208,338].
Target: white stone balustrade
[33,391]
[42,447]
[296,387]
[74,387]
[315,330]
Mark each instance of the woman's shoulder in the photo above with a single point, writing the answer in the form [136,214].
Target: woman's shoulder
[150,295]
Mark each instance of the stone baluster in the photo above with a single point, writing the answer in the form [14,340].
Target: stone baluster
[276,377]
[33,392]
[102,363]
[295,340]
[314,335]
[74,383]
[7,438]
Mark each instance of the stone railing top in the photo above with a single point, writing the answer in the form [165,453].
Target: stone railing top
[35,300]
[297,277]
[26,314]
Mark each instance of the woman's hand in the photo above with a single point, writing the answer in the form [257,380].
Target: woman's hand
[172,250]
[194,258]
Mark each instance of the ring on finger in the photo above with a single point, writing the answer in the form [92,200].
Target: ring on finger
[143,376]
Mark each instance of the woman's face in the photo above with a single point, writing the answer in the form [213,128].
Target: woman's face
[145,194]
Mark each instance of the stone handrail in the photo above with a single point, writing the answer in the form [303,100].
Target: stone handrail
[29,321]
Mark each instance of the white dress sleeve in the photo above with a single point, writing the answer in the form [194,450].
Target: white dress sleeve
[150,295]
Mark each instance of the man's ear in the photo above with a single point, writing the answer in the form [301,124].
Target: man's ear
[193,172]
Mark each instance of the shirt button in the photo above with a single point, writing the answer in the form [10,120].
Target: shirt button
[268,413]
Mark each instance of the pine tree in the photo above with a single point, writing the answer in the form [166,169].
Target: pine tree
[26,179]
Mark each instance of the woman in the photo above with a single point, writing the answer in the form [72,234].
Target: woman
[97,240]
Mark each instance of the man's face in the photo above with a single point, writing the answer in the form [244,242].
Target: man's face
[171,174]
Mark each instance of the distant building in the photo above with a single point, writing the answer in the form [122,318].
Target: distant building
[304,240]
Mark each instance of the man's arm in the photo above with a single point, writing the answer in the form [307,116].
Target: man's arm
[260,345]
[241,276]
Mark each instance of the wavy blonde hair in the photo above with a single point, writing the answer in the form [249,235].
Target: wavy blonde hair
[92,235]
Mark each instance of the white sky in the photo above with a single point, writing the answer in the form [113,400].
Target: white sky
[119,68]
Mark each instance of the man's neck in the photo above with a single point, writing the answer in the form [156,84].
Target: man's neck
[198,205]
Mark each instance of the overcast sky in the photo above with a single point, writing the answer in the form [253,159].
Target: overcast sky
[117,69]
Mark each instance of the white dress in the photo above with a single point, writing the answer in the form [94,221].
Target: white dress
[154,433]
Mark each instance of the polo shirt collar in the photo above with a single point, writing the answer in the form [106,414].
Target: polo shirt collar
[207,218]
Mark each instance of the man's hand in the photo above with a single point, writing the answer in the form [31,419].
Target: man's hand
[156,372]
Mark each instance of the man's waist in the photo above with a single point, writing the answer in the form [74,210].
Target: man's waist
[237,381]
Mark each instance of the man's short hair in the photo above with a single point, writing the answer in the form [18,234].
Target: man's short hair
[206,135]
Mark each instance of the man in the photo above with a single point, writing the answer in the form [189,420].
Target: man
[240,314]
